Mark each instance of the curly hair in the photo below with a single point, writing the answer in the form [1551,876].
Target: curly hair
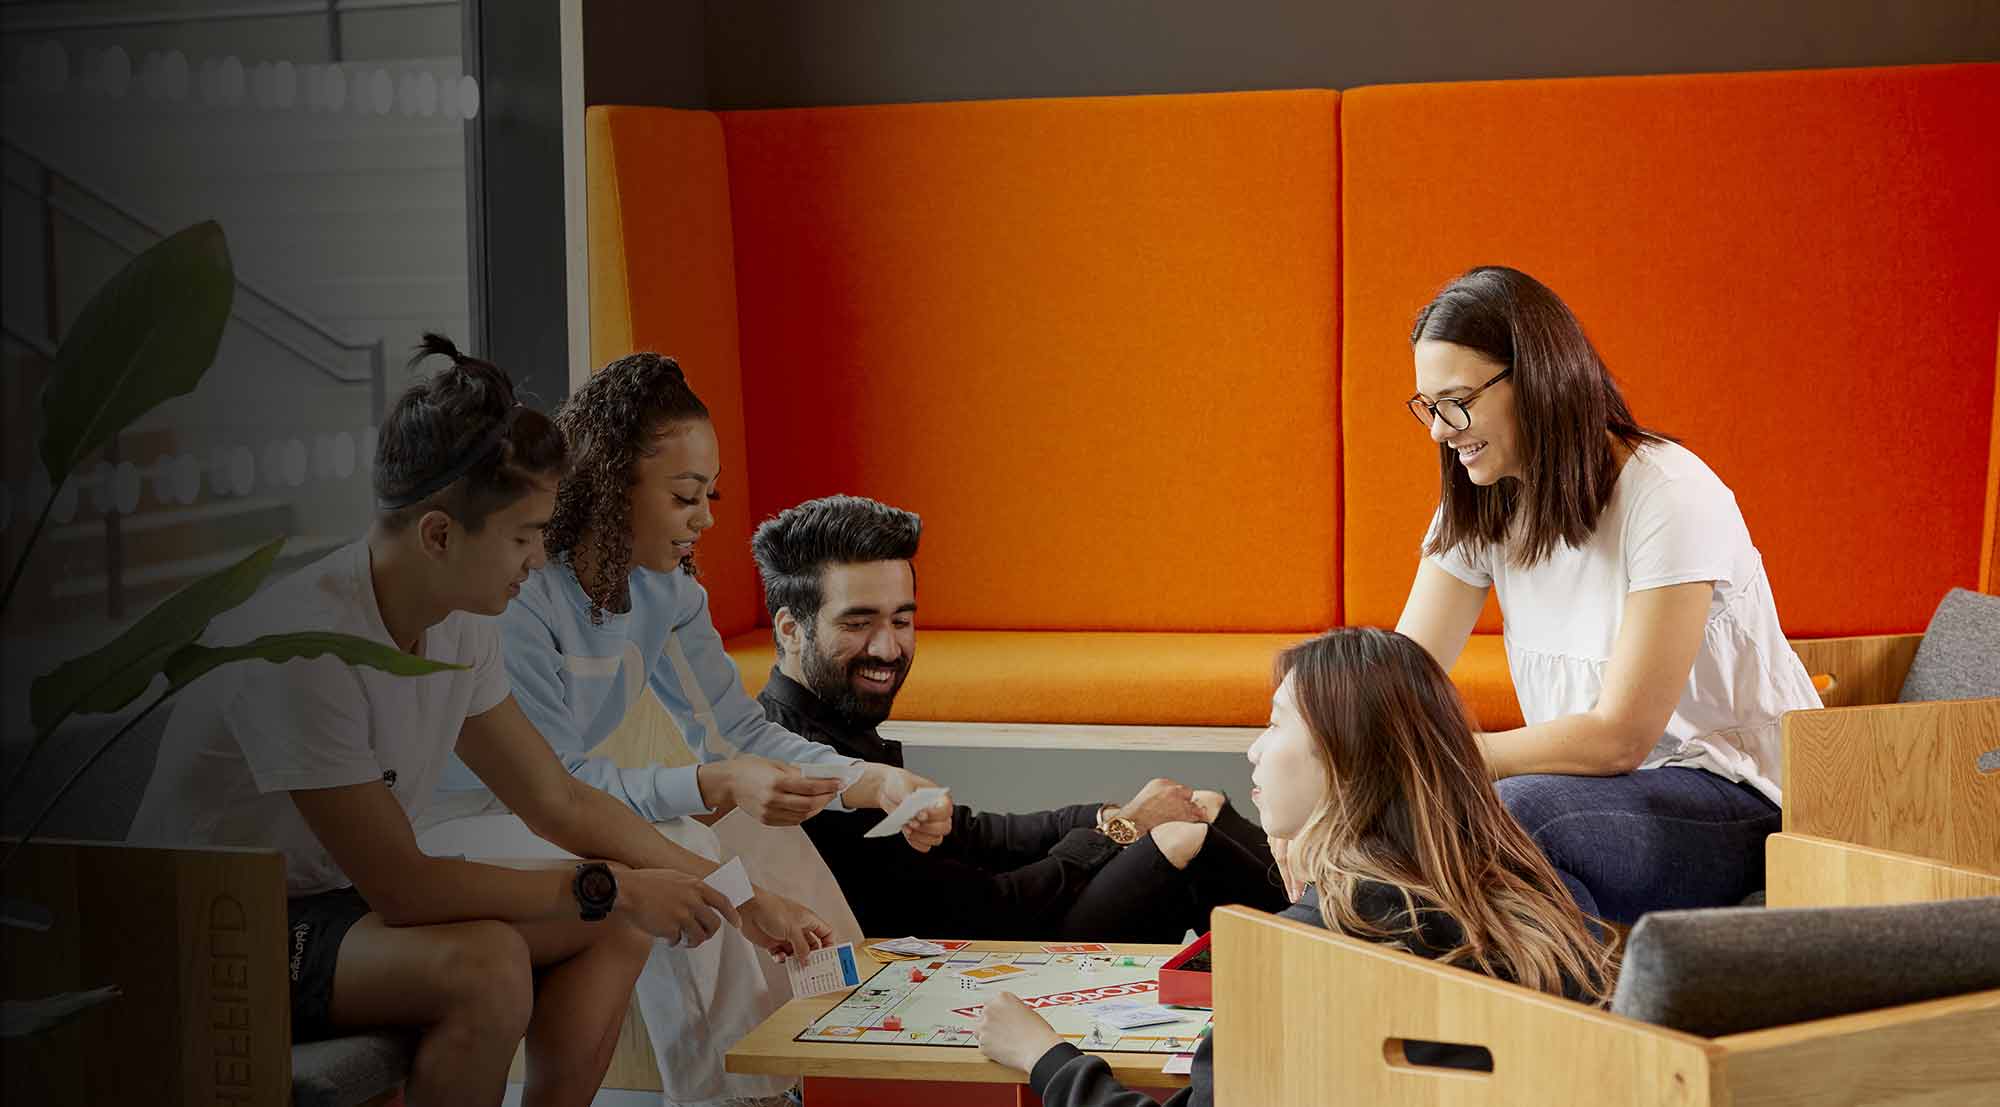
[611,422]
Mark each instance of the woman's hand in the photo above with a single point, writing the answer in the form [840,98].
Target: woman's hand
[773,792]
[1013,1035]
[782,926]
[1281,852]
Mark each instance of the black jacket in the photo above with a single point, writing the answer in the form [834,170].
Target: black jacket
[994,876]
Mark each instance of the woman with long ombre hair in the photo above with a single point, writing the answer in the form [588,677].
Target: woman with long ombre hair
[1370,779]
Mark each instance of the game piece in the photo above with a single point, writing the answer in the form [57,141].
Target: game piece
[918,976]
[968,983]
[892,1023]
[1086,964]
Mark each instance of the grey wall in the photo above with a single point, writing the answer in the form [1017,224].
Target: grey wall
[788,53]
[645,52]
[1009,780]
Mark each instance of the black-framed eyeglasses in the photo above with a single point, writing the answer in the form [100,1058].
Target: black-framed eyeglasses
[1454,410]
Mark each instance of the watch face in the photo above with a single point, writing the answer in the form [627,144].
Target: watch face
[596,884]
[1122,830]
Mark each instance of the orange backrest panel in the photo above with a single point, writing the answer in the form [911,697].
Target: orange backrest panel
[1093,342]
[1792,272]
[662,278]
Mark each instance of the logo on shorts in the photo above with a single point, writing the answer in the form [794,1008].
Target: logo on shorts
[389,777]
[299,935]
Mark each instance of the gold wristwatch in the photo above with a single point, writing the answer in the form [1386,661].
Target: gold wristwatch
[1118,828]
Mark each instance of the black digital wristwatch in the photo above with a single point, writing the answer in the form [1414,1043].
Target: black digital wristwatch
[596,890]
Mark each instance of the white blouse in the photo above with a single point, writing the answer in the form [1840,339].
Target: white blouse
[1670,521]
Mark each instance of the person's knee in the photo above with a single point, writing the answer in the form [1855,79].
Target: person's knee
[693,836]
[486,972]
[1180,843]
[629,944]
[1537,800]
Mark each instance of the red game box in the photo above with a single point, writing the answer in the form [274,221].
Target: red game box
[1184,979]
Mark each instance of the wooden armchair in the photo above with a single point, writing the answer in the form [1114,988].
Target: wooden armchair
[1886,802]
[1306,1017]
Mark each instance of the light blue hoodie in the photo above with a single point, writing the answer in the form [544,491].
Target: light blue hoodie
[576,681]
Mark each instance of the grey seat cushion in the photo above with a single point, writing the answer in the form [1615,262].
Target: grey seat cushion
[1731,969]
[345,1072]
[1959,658]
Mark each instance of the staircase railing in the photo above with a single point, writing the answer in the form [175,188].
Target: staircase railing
[68,19]
[314,344]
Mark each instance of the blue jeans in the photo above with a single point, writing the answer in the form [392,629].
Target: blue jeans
[1652,840]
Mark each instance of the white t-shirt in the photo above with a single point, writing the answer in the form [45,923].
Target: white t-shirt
[1670,521]
[247,734]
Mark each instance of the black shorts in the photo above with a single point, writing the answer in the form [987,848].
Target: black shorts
[318,924]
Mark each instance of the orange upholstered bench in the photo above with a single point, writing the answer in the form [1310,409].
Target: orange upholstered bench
[1092,342]
[1139,361]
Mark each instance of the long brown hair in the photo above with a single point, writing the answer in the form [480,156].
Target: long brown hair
[1409,804]
[1568,406]
[611,422]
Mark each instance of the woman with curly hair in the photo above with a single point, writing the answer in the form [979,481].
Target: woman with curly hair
[618,608]
[1371,773]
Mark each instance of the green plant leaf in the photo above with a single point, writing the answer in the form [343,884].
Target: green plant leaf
[191,661]
[115,675]
[147,335]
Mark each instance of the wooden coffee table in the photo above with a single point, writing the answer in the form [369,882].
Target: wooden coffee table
[841,1074]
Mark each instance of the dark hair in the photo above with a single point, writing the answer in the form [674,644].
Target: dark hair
[1567,405]
[794,548]
[1409,803]
[460,443]
[612,422]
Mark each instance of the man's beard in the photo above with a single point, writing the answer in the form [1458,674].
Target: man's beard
[833,683]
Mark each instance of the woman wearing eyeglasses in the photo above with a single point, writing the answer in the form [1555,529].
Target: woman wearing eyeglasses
[1640,628]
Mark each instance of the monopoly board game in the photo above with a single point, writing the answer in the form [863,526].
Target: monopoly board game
[1069,990]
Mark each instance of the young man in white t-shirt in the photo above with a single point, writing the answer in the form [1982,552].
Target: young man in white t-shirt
[331,763]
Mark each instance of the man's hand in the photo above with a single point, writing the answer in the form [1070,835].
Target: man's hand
[1295,885]
[773,792]
[783,926]
[1013,1035]
[1161,801]
[673,905]
[931,824]
[1210,803]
